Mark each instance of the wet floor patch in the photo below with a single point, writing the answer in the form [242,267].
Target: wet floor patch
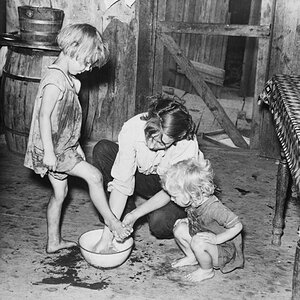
[66,268]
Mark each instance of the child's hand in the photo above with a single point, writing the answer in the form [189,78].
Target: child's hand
[208,237]
[80,152]
[50,160]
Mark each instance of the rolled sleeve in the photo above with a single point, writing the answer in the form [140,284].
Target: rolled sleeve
[125,163]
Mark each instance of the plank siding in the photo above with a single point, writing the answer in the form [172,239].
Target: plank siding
[284,59]
[203,90]
[206,49]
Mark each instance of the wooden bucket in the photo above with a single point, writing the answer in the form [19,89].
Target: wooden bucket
[20,80]
[40,25]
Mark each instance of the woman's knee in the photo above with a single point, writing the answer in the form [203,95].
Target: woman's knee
[102,149]
[160,226]
[162,220]
[101,146]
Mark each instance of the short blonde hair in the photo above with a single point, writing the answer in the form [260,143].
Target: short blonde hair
[191,177]
[84,43]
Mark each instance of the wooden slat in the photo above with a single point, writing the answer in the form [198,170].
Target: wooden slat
[203,90]
[260,31]
[160,10]
[210,73]
[180,16]
[200,48]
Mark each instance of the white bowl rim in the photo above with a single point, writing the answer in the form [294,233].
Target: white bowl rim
[102,253]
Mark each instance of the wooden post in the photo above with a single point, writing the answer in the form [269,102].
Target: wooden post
[296,274]
[159,49]
[250,54]
[203,90]
[262,69]
[146,48]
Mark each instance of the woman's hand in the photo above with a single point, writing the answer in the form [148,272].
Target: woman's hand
[129,219]
[120,231]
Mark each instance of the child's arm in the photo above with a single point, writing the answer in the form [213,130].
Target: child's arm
[229,233]
[157,201]
[223,237]
[50,96]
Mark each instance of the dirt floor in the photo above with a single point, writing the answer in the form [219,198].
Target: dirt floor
[27,272]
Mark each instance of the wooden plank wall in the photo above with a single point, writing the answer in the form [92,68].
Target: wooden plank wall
[263,32]
[2,29]
[206,49]
[285,54]
[284,58]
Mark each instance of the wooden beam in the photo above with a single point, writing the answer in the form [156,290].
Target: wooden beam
[203,90]
[210,73]
[259,31]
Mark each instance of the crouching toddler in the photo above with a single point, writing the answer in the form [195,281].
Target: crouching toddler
[210,236]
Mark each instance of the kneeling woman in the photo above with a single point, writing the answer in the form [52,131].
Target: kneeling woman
[148,145]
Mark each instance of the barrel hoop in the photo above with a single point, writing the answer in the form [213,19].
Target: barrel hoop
[20,77]
[41,33]
[44,22]
[16,131]
[32,51]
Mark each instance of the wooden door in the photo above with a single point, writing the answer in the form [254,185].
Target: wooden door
[156,33]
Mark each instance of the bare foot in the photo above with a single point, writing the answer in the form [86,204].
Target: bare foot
[200,275]
[104,244]
[62,244]
[185,261]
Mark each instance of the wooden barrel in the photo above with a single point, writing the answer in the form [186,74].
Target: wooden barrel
[20,80]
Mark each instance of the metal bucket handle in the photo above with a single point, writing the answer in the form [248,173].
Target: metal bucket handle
[49,2]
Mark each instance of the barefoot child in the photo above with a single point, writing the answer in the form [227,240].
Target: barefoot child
[53,145]
[211,234]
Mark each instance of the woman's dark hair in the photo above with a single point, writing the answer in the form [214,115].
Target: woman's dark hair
[167,115]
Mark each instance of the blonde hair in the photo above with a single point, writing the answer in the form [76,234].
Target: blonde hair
[84,43]
[192,178]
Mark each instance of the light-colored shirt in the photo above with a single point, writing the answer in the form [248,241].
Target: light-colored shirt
[134,154]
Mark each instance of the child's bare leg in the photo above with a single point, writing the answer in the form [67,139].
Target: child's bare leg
[207,256]
[54,239]
[183,239]
[94,180]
